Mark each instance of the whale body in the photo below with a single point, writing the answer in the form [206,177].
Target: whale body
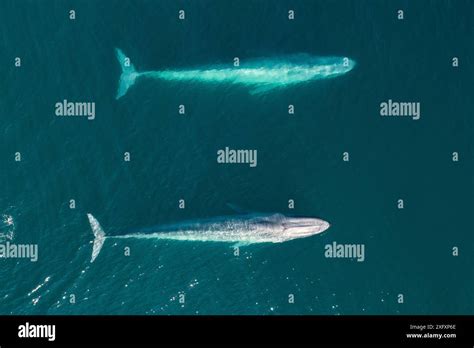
[242,229]
[259,75]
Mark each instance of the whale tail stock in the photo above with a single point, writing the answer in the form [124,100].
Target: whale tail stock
[128,76]
[99,236]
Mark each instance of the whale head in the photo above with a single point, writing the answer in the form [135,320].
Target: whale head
[329,67]
[300,227]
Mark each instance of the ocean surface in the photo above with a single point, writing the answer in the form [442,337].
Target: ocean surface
[408,251]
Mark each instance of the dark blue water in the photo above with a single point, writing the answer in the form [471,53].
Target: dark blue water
[407,251]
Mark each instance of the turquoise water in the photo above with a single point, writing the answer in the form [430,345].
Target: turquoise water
[173,157]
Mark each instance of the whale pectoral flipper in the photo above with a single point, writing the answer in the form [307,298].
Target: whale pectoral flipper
[263,89]
[237,209]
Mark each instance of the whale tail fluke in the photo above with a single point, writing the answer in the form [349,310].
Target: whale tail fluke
[99,236]
[128,76]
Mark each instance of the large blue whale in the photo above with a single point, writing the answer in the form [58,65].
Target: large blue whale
[242,229]
[259,75]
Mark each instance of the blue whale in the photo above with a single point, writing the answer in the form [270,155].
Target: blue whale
[242,229]
[259,75]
